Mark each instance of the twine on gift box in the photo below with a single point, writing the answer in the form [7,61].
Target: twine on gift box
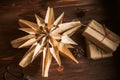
[106,35]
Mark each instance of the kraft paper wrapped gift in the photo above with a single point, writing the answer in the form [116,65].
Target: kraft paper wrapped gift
[101,36]
[94,52]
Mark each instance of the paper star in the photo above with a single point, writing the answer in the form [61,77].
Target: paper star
[47,37]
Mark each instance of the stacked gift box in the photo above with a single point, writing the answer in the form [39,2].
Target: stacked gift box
[100,41]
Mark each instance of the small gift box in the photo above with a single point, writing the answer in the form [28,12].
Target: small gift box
[101,36]
[94,52]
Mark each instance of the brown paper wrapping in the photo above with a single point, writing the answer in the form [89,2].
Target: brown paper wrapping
[96,33]
[94,52]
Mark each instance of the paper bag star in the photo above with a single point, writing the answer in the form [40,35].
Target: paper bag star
[48,37]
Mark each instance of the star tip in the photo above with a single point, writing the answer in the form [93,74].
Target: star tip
[20,20]
[35,15]
[11,42]
[21,65]
[45,76]
[59,64]
[32,59]
[49,7]
[13,45]
[20,47]
[63,13]
[76,43]
[77,62]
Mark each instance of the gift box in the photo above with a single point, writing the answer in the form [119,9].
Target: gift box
[94,52]
[101,36]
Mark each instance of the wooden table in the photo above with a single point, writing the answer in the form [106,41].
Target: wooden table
[83,10]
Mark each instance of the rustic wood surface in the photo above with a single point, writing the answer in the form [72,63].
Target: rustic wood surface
[83,10]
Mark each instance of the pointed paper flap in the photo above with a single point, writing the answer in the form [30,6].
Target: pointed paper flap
[71,31]
[39,20]
[59,19]
[51,18]
[43,61]
[66,40]
[28,43]
[38,53]
[47,15]
[39,47]
[69,46]
[47,62]
[69,25]
[28,30]
[29,24]
[53,42]
[66,51]
[17,42]
[66,26]
[54,50]
[55,36]
[26,60]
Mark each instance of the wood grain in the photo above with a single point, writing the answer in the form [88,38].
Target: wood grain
[83,10]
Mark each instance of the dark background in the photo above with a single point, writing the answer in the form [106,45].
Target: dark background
[112,8]
[104,11]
